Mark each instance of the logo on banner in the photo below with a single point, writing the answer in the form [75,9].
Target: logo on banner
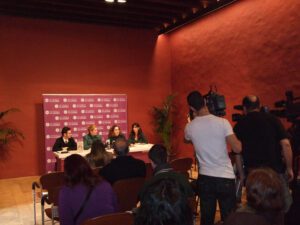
[50,136]
[61,118]
[104,111]
[111,105]
[96,116]
[119,110]
[87,111]
[87,100]
[79,117]
[96,105]
[120,121]
[119,99]
[52,100]
[52,124]
[79,105]
[104,122]
[103,99]
[61,106]
[52,112]
[70,123]
[69,100]
[71,111]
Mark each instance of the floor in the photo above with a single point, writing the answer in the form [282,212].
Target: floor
[16,202]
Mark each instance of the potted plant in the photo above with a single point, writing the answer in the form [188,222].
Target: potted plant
[8,133]
[163,121]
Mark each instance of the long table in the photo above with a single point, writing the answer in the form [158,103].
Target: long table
[137,150]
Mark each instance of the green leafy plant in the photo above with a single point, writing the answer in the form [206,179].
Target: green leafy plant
[163,121]
[8,133]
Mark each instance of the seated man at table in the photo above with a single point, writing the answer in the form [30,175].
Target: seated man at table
[65,141]
[123,166]
[162,170]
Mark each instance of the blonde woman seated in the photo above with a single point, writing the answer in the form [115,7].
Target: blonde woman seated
[136,135]
[91,137]
[98,157]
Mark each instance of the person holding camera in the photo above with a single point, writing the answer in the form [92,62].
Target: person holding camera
[265,143]
[210,135]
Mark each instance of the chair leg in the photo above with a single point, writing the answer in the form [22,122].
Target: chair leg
[34,205]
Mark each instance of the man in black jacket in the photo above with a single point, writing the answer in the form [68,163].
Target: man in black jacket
[65,141]
[124,166]
[265,143]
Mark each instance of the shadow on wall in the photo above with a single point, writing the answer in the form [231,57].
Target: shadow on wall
[40,138]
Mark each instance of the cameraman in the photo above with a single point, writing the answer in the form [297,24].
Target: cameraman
[210,135]
[264,143]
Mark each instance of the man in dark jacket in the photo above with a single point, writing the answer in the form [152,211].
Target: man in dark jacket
[123,166]
[65,141]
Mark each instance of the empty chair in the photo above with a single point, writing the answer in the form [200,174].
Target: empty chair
[127,191]
[47,184]
[111,219]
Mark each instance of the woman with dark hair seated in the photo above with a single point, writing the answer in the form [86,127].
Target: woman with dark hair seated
[265,201]
[84,195]
[164,204]
[136,135]
[98,157]
[114,133]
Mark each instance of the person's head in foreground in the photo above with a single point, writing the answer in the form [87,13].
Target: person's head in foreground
[121,147]
[78,171]
[164,204]
[265,192]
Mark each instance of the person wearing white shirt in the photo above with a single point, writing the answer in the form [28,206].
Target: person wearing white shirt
[210,135]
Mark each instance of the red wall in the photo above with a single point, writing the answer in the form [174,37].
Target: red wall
[252,46]
[40,56]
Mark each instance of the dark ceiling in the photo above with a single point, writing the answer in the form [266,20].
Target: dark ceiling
[161,15]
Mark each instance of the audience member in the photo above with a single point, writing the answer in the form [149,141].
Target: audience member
[92,136]
[164,204]
[136,134]
[114,133]
[162,170]
[210,135]
[265,201]
[85,195]
[123,166]
[98,157]
[65,141]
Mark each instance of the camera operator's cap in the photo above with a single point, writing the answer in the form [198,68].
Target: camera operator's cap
[195,100]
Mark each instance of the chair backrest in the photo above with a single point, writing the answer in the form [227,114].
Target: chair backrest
[127,191]
[51,180]
[111,219]
[181,164]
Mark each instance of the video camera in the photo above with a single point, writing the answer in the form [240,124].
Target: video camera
[214,102]
[290,108]
[237,116]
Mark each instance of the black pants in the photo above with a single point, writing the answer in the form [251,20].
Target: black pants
[211,190]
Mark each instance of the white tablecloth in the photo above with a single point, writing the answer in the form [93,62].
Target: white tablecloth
[134,148]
